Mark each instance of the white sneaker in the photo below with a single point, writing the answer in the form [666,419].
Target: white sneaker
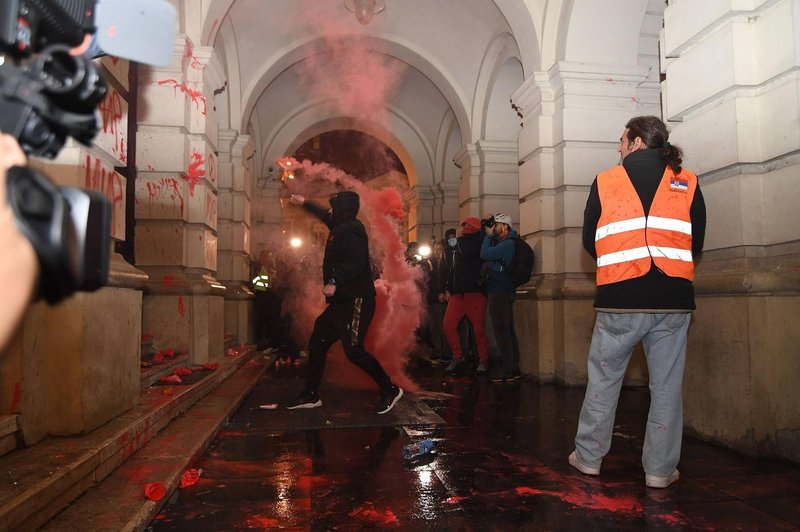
[586,470]
[652,481]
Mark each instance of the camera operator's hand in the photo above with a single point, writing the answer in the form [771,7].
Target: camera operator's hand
[296,199]
[19,266]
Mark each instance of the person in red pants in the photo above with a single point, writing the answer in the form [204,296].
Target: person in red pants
[465,294]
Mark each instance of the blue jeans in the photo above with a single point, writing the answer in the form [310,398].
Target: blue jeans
[663,337]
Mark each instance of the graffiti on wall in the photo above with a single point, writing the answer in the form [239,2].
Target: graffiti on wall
[102,178]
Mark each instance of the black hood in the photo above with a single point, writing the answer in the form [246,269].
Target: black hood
[345,207]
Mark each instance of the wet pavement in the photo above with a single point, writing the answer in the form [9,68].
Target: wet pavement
[500,464]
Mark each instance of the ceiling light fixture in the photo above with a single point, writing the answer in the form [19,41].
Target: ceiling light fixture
[365,9]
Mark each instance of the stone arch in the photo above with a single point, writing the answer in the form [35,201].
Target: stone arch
[447,147]
[311,119]
[407,52]
[527,30]
[494,72]
[621,24]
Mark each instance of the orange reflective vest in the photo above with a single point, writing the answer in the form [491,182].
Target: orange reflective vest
[627,242]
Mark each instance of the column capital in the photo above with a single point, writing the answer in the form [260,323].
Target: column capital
[467,156]
[243,146]
[497,151]
[226,139]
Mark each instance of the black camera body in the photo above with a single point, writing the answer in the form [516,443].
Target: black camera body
[44,99]
[488,222]
[48,94]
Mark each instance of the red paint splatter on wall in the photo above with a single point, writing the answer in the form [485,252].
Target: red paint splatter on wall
[16,399]
[107,182]
[211,209]
[181,307]
[212,168]
[165,187]
[196,172]
[111,113]
[196,95]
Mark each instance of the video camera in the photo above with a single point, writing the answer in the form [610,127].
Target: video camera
[48,94]
[488,222]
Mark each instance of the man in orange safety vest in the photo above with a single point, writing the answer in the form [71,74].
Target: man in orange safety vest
[644,223]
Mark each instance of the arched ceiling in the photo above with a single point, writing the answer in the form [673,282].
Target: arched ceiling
[443,59]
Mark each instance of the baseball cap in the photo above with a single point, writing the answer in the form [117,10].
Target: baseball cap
[471,225]
[501,218]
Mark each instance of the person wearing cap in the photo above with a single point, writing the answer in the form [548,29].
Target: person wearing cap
[497,249]
[350,293]
[465,295]
[644,223]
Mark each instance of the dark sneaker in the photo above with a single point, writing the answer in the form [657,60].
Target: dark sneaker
[514,377]
[498,376]
[388,399]
[305,400]
[482,369]
[454,365]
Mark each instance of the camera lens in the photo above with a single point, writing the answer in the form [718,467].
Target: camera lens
[73,80]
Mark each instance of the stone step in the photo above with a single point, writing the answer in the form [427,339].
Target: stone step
[150,376]
[8,433]
[118,502]
[45,478]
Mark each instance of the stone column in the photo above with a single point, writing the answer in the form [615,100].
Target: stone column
[176,203]
[420,201]
[572,115]
[267,218]
[234,233]
[499,184]
[469,189]
[731,95]
[448,208]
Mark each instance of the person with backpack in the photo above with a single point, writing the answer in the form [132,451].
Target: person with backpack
[498,250]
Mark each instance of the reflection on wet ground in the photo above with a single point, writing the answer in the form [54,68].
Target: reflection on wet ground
[500,464]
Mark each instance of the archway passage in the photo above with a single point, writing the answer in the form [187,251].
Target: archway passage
[355,153]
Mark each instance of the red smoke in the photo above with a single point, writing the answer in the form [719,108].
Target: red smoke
[357,79]
[354,73]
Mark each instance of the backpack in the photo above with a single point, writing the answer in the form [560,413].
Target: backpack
[521,266]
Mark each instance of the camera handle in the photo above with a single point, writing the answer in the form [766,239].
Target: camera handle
[43,216]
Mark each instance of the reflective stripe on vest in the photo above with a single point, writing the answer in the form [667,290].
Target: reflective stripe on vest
[628,242]
[261,281]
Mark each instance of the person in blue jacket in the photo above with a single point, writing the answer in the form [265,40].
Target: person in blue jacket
[498,248]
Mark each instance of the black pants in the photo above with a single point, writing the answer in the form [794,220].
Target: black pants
[347,321]
[502,313]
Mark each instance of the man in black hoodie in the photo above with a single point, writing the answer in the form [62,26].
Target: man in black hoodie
[350,293]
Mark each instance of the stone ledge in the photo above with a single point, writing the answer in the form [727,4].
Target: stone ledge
[46,477]
[118,503]
[8,433]
[150,376]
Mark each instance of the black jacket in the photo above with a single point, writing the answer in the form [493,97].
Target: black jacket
[654,290]
[346,261]
[464,265]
